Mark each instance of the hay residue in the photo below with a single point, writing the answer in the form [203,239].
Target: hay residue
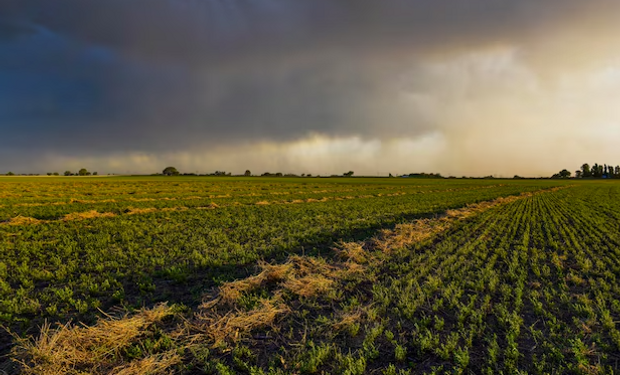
[154,364]
[180,208]
[230,292]
[309,285]
[86,215]
[348,319]
[404,235]
[71,349]
[218,327]
[352,251]
[302,276]
[221,317]
[211,206]
[89,201]
[23,220]
[135,211]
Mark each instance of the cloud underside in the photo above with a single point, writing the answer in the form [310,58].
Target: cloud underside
[472,87]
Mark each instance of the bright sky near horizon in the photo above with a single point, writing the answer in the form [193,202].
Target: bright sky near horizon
[467,87]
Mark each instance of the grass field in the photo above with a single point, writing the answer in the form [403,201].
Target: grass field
[307,275]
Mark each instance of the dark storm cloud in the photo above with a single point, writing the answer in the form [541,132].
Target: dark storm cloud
[199,31]
[98,76]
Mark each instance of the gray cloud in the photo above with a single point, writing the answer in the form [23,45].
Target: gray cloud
[94,77]
[224,31]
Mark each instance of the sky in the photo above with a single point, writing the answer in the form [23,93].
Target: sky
[459,87]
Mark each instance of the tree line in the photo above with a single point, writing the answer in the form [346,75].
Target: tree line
[172,171]
[594,171]
[81,172]
[586,171]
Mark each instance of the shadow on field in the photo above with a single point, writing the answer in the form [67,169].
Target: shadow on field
[195,281]
[191,283]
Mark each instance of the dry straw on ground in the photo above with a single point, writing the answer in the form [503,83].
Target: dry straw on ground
[180,208]
[218,327]
[302,276]
[135,211]
[86,215]
[96,349]
[221,318]
[348,319]
[209,207]
[155,364]
[23,220]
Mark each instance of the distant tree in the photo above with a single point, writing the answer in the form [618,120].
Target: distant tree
[49,173]
[55,173]
[564,173]
[170,171]
[10,174]
[617,171]
[247,173]
[279,174]
[67,173]
[585,170]
[597,171]
[83,172]
[95,173]
[390,175]
[578,173]
[348,174]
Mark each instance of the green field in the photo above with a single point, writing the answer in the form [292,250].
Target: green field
[309,275]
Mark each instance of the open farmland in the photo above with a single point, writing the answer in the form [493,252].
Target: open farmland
[304,275]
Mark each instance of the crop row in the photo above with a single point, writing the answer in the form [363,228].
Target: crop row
[528,287]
